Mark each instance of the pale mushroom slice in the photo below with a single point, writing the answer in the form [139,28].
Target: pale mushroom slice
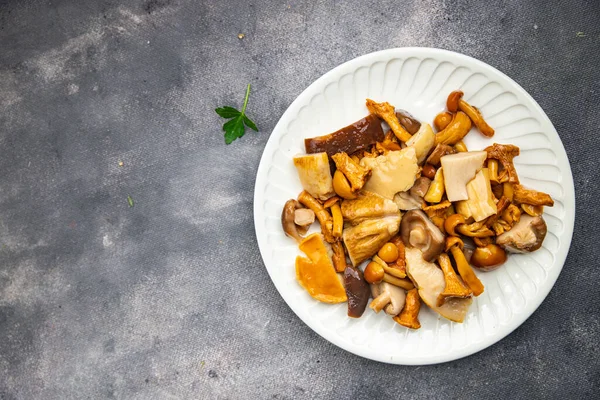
[315,174]
[525,236]
[388,297]
[459,169]
[429,279]
[365,239]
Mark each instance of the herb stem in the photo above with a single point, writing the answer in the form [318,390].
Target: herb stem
[246,99]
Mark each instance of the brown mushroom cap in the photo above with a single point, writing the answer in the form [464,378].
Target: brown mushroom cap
[525,236]
[418,231]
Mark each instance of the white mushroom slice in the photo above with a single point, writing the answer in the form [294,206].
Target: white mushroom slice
[429,279]
[391,173]
[315,175]
[405,201]
[459,169]
[422,141]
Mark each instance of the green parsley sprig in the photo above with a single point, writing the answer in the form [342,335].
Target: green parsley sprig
[235,127]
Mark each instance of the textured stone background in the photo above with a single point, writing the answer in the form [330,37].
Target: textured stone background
[170,299]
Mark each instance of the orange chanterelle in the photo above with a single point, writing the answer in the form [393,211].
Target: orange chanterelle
[408,214]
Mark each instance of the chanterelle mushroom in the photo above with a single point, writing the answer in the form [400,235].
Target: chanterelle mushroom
[526,236]
[389,296]
[418,231]
[505,154]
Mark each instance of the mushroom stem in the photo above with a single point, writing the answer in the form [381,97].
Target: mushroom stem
[409,317]
[396,272]
[339,256]
[380,301]
[476,117]
[322,215]
[455,287]
[465,271]
[403,283]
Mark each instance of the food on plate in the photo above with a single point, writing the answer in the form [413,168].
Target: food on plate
[393,172]
[315,175]
[409,215]
[316,273]
[354,137]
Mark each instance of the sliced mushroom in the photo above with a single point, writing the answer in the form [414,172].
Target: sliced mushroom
[410,123]
[440,151]
[524,237]
[460,169]
[420,187]
[357,290]
[405,201]
[387,296]
[315,174]
[418,231]
[429,279]
[422,141]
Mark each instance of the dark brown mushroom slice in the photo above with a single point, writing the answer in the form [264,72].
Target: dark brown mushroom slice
[357,290]
[417,230]
[410,123]
[354,137]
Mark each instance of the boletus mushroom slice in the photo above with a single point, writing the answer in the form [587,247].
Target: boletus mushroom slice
[455,287]
[418,231]
[429,280]
[525,236]
[409,317]
[357,290]
[387,296]
[410,123]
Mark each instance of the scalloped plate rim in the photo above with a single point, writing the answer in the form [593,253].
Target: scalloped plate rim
[519,318]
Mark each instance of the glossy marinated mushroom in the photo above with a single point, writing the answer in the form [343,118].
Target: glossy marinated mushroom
[422,141]
[524,237]
[409,317]
[355,137]
[442,120]
[488,257]
[353,171]
[387,112]
[357,290]
[429,279]
[387,296]
[342,187]
[532,197]
[321,213]
[455,246]
[455,287]
[505,153]
[459,170]
[418,231]
[410,123]
[288,223]
[456,130]
[455,103]
[440,151]
[339,256]
[420,187]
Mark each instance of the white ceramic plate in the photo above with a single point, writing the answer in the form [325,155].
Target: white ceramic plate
[418,80]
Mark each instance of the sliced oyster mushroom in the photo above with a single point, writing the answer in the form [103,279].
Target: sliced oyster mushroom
[418,231]
[429,279]
[357,290]
[525,236]
[388,297]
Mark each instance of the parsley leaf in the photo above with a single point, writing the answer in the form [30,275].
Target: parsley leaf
[234,128]
[130,201]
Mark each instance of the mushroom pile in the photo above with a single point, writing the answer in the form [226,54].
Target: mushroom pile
[408,214]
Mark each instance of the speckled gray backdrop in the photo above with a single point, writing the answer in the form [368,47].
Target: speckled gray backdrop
[170,299]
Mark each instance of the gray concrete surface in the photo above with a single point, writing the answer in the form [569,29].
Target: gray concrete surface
[170,299]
